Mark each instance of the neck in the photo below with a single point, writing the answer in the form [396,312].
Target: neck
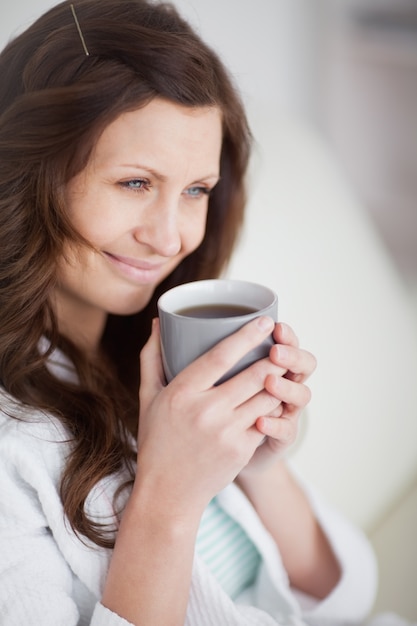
[82,324]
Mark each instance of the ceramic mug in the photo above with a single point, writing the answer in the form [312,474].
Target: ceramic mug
[195,316]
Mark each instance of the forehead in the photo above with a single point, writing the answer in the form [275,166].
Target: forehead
[161,130]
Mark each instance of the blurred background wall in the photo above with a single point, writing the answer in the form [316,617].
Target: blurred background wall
[349,67]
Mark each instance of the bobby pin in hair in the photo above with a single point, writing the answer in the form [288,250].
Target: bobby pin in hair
[79,30]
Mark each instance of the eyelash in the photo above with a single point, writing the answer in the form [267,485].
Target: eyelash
[145,185]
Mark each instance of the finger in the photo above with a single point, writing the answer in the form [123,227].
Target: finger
[152,374]
[288,391]
[205,371]
[300,364]
[278,410]
[285,334]
[248,384]
[282,430]
[263,403]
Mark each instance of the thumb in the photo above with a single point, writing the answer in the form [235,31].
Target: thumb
[152,378]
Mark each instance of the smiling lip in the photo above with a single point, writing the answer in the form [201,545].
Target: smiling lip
[139,271]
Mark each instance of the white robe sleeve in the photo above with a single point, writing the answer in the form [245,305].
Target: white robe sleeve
[352,598]
[104,617]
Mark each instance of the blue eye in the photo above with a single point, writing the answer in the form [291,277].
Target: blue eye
[136,184]
[197,192]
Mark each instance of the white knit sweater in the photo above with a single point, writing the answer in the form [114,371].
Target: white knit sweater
[48,577]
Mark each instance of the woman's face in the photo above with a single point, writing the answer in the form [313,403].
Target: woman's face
[142,203]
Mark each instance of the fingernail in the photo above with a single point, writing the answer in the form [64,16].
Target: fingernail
[263,424]
[265,323]
[282,353]
[284,330]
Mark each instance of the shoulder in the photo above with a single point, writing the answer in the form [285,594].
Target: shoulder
[34,449]
[31,441]
[27,432]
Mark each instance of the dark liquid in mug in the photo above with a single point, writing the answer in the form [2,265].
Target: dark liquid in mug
[210,311]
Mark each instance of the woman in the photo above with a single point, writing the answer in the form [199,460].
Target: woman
[123,150]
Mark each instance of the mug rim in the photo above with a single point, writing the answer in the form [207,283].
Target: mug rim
[266,296]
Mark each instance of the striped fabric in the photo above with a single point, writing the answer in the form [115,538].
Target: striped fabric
[227,550]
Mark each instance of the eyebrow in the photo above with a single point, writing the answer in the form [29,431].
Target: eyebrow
[161,177]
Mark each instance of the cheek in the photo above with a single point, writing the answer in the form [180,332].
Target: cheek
[100,225]
[98,233]
[94,213]
[193,231]
[74,260]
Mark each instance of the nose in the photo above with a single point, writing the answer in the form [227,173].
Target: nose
[160,228]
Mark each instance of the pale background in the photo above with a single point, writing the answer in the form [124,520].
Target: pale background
[324,81]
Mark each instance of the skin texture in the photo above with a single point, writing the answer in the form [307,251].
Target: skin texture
[142,204]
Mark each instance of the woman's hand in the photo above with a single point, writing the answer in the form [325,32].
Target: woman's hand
[280,426]
[194,436]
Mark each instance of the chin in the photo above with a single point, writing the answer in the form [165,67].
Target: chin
[130,306]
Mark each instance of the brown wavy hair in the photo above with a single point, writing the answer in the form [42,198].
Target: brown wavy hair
[55,100]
